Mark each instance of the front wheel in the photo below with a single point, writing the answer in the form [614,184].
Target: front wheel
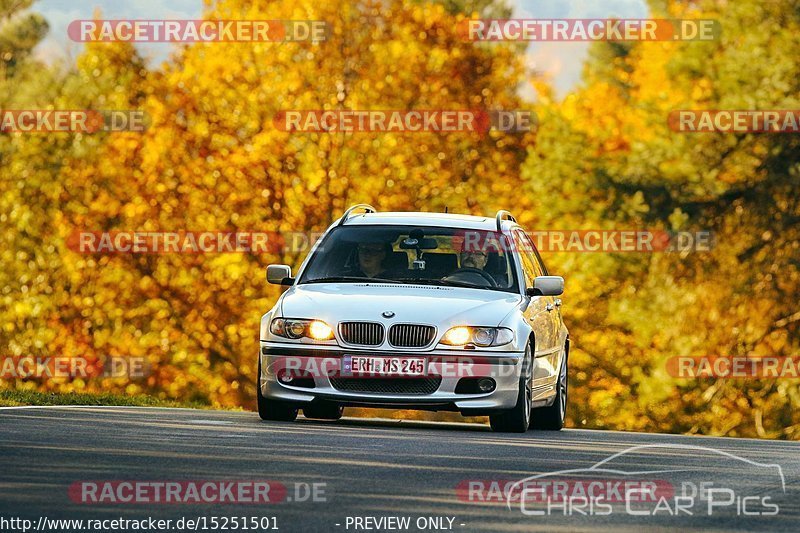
[273,409]
[518,418]
[552,418]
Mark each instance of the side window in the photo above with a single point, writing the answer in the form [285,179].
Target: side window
[537,259]
[523,249]
[531,263]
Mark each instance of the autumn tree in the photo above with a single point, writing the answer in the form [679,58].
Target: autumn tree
[24,84]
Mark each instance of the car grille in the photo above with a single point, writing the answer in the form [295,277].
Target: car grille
[427,385]
[362,333]
[411,335]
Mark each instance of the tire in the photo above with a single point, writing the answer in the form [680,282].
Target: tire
[518,418]
[323,411]
[273,409]
[551,418]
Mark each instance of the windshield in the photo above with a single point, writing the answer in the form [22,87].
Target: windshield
[413,255]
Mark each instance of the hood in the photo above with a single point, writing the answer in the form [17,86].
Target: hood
[419,304]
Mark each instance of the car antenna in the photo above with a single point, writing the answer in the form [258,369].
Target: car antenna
[445,209]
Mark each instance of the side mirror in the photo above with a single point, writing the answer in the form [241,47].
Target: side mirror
[279,275]
[546,286]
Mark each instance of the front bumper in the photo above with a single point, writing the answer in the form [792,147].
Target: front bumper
[322,363]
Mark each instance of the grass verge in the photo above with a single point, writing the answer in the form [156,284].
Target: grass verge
[15,398]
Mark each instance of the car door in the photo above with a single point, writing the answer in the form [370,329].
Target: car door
[542,315]
[557,319]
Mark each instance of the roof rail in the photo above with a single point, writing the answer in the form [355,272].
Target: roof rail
[366,207]
[501,216]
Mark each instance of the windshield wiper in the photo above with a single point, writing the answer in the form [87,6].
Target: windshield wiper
[350,279]
[443,283]
[451,283]
[421,281]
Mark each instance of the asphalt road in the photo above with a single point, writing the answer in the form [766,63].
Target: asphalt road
[376,469]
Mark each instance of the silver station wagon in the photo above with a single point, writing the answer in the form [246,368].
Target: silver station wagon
[429,311]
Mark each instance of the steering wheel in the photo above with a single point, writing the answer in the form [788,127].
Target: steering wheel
[470,272]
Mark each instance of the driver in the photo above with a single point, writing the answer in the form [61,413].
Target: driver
[478,259]
[470,259]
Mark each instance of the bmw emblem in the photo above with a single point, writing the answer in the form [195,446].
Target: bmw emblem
[387,314]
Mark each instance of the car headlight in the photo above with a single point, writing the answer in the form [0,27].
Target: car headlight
[293,328]
[462,335]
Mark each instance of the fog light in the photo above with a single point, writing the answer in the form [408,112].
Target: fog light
[486,384]
[285,378]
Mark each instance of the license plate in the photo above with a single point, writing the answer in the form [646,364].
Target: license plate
[384,366]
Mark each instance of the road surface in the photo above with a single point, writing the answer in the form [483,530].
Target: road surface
[374,475]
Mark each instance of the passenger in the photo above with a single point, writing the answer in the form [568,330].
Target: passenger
[370,258]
